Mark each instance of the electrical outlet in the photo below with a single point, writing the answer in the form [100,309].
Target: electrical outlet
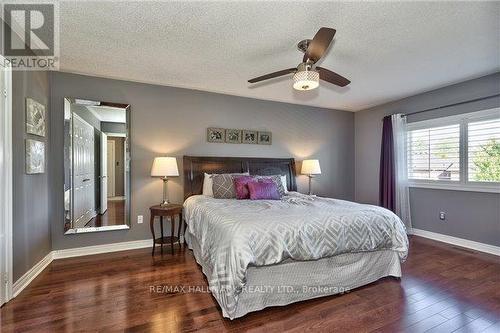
[140,218]
[442,216]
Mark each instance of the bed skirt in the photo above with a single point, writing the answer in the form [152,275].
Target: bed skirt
[294,281]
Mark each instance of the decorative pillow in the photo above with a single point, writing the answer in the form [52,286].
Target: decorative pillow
[208,182]
[240,185]
[279,183]
[283,182]
[223,186]
[241,188]
[207,185]
[263,190]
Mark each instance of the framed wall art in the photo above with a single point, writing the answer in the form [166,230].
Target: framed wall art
[264,138]
[216,134]
[249,137]
[35,156]
[35,117]
[233,136]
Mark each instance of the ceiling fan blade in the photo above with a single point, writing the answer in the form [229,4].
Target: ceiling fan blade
[319,44]
[273,75]
[332,77]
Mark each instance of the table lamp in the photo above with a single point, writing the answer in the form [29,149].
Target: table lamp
[164,167]
[310,168]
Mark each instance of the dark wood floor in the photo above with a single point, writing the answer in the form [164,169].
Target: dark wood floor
[444,289]
[114,215]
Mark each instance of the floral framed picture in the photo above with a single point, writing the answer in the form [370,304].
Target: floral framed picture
[264,138]
[249,137]
[216,134]
[233,136]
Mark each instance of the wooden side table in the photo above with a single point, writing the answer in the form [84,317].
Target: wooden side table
[169,211]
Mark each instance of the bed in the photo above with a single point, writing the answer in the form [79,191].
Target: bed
[261,253]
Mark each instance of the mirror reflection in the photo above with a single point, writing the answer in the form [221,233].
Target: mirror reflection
[96,166]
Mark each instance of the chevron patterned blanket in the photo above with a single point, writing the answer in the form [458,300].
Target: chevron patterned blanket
[235,234]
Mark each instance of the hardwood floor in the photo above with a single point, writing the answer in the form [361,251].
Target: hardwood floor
[114,215]
[443,289]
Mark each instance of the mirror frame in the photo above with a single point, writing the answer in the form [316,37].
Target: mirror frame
[127,167]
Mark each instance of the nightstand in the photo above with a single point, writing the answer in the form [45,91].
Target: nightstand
[169,212]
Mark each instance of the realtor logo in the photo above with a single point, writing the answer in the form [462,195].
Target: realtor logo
[31,35]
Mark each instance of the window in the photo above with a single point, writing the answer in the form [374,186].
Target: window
[434,153]
[458,152]
[484,151]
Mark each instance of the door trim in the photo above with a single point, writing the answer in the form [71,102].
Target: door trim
[6,191]
[111,171]
[103,180]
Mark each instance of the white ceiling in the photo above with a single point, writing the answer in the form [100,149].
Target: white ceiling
[108,114]
[389,50]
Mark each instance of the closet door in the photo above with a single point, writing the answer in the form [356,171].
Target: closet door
[83,172]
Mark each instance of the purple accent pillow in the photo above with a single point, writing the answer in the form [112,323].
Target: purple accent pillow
[240,185]
[241,188]
[263,190]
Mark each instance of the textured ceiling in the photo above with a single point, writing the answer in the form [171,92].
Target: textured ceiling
[389,50]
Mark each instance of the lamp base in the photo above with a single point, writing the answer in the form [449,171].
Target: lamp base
[310,187]
[165,195]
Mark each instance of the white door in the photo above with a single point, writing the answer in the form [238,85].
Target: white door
[111,168]
[5,184]
[104,173]
[83,172]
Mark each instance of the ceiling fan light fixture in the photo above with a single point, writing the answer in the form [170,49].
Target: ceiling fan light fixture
[306,80]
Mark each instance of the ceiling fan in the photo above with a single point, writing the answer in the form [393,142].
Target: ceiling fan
[306,76]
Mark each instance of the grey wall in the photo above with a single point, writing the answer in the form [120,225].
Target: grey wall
[474,216]
[469,215]
[172,121]
[31,226]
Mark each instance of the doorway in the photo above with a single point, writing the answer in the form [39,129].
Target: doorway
[111,161]
[113,180]
[5,182]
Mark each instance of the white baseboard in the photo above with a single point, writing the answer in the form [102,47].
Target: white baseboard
[105,248]
[491,249]
[30,275]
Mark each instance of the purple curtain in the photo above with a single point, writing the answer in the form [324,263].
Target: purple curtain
[387,187]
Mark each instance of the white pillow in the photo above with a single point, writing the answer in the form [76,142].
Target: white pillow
[283,181]
[208,183]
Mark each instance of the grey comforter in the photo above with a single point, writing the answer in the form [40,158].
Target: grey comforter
[234,234]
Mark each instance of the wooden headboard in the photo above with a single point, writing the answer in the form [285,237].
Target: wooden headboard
[195,167]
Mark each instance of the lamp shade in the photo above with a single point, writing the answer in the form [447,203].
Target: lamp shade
[310,167]
[164,167]
[306,80]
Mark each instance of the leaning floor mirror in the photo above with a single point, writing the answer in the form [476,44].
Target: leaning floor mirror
[96,166]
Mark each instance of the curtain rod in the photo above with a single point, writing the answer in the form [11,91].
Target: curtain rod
[453,104]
